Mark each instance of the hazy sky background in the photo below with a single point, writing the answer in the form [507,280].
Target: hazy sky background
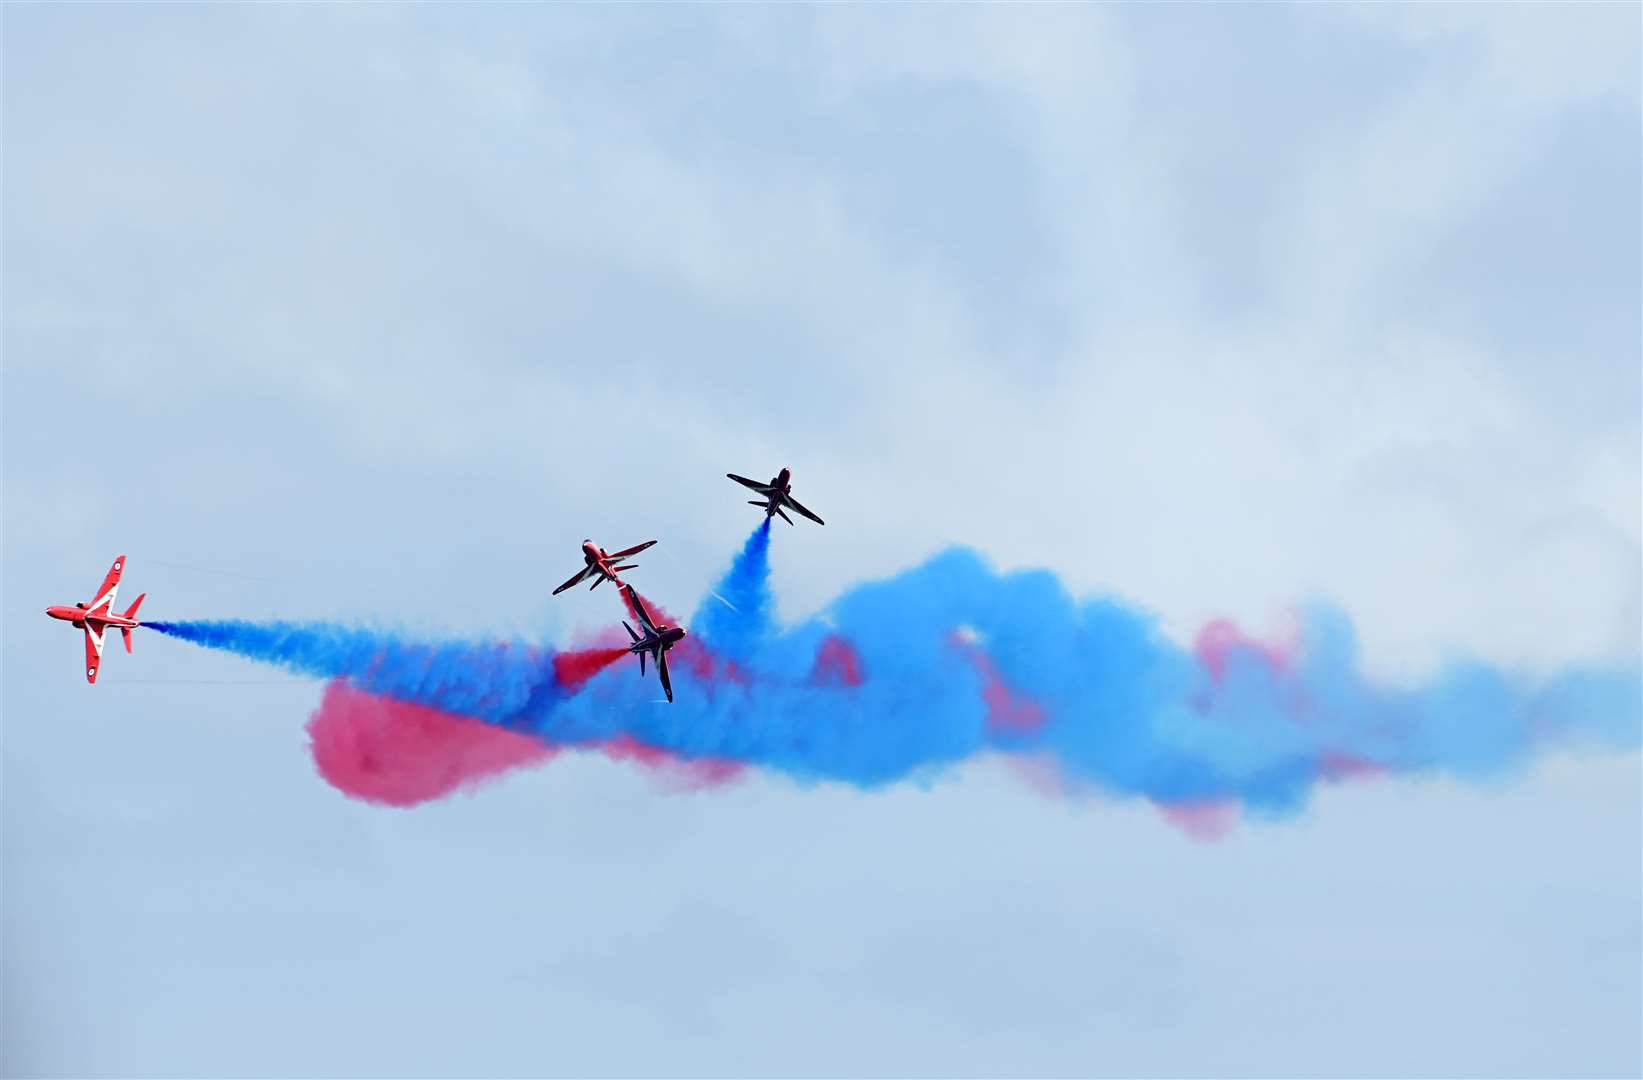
[1218,309]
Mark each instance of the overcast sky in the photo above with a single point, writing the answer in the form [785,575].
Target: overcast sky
[374,312]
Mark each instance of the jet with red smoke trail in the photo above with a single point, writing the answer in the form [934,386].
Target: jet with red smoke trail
[777,494]
[96,617]
[601,565]
[657,640]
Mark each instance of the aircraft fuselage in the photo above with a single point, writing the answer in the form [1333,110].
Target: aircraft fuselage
[781,484]
[77,616]
[665,638]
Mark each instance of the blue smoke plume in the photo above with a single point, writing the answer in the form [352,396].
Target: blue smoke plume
[497,683]
[737,617]
[903,678]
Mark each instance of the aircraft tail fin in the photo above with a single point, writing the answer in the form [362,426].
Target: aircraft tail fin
[784,516]
[629,629]
[131,613]
[619,569]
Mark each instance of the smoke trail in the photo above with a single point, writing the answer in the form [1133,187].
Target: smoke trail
[493,682]
[404,722]
[906,677]
[396,753]
[901,678]
[738,615]
[500,683]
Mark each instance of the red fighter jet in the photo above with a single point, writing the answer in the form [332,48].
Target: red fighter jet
[657,640]
[602,565]
[96,617]
[777,494]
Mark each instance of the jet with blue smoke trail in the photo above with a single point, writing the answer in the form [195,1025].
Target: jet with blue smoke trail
[777,494]
[96,617]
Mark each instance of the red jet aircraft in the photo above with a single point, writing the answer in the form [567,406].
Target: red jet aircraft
[777,494]
[96,617]
[658,638]
[602,565]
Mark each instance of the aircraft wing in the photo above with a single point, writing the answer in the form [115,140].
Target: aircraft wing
[639,610]
[94,653]
[791,502]
[661,669]
[762,489]
[625,552]
[579,576]
[104,596]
